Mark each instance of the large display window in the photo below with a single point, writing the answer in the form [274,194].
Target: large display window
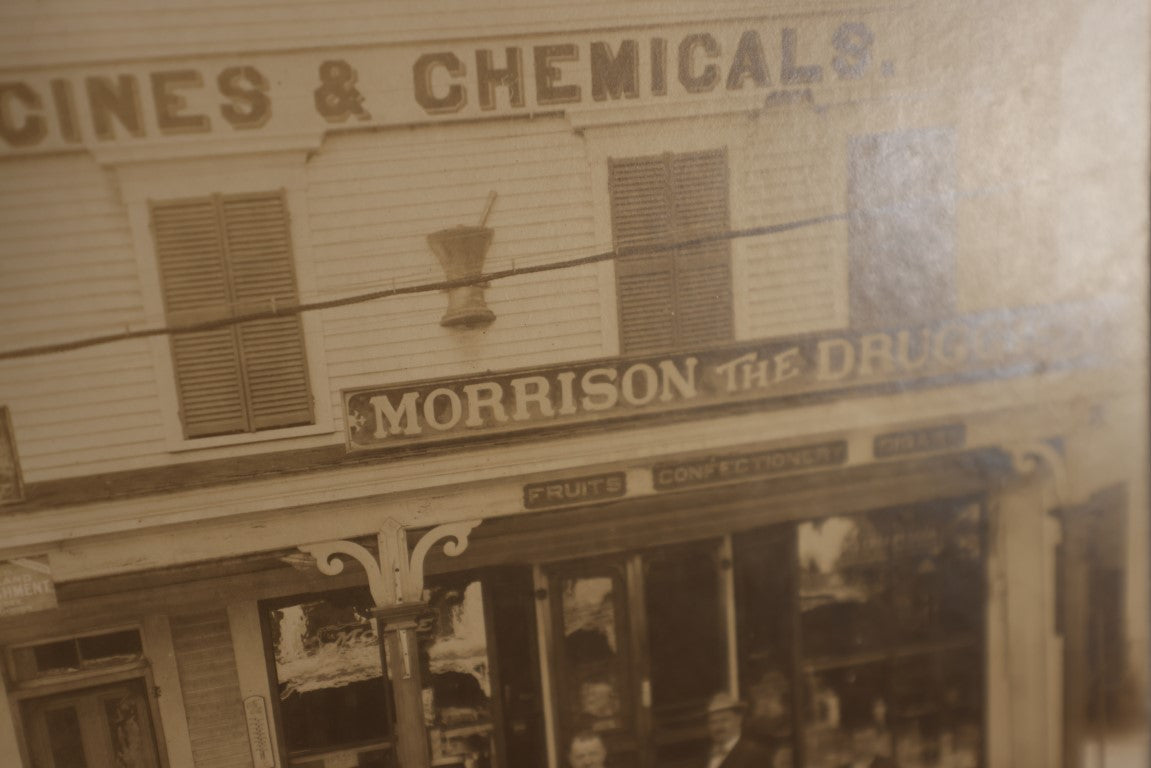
[330,689]
[334,701]
[854,640]
[862,637]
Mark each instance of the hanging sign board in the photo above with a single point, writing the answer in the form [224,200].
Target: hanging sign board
[772,373]
[943,437]
[25,586]
[746,466]
[11,483]
[575,490]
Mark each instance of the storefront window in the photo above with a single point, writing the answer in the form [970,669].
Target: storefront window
[591,645]
[685,630]
[842,586]
[890,637]
[478,667]
[765,599]
[456,675]
[331,685]
[865,631]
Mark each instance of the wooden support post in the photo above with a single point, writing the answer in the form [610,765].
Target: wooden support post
[400,652]
[9,742]
[396,580]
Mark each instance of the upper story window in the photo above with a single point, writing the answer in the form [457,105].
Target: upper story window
[901,232]
[677,298]
[76,654]
[224,255]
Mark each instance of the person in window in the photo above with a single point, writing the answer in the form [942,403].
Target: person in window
[728,747]
[768,720]
[866,746]
[587,750]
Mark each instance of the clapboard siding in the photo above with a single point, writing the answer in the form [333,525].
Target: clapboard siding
[371,199]
[68,270]
[363,359]
[793,282]
[374,198]
[211,687]
[65,31]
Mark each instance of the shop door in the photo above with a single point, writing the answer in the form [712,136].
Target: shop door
[106,727]
[640,644]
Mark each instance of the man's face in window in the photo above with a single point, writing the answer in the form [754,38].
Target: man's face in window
[587,753]
[723,726]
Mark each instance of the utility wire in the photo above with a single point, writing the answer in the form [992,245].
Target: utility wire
[298,309]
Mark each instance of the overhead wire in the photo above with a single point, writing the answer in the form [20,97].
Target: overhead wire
[276,310]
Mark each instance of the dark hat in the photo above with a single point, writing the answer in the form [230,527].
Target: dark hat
[725,702]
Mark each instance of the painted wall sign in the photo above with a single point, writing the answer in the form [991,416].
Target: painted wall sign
[943,437]
[25,586]
[818,58]
[745,466]
[576,490]
[11,481]
[256,714]
[996,344]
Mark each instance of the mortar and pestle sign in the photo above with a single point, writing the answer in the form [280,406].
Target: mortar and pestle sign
[461,251]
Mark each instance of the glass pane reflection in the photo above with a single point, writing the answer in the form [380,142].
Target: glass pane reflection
[842,586]
[129,731]
[936,709]
[591,648]
[327,660]
[891,606]
[67,744]
[456,675]
[847,716]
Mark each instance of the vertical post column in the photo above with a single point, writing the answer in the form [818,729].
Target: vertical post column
[1020,628]
[1074,611]
[547,651]
[400,653]
[396,617]
[396,580]
[157,637]
[251,669]
[9,743]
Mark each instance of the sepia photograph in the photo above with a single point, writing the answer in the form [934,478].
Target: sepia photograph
[553,384]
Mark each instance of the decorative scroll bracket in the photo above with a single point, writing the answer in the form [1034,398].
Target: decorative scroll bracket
[328,561]
[1027,459]
[455,540]
[407,572]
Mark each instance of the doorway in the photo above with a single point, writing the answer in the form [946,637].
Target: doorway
[92,728]
[641,643]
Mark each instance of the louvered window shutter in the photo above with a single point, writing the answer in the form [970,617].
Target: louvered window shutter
[679,297]
[641,215]
[260,257]
[703,272]
[220,256]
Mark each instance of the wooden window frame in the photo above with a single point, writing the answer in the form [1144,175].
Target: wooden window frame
[275,714]
[141,671]
[65,680]
[140,183]
[219,222]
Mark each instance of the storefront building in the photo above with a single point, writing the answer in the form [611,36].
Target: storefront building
[542,373]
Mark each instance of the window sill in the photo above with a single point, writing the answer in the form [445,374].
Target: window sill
[182,444]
